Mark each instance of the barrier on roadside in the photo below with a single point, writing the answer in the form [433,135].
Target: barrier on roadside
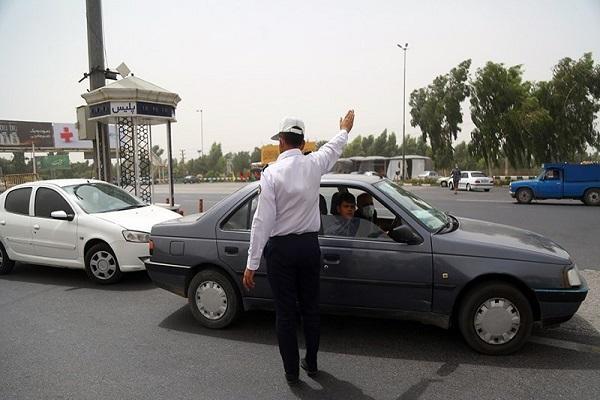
[9,181]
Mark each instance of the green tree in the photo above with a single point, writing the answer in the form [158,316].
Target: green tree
[215,162]
[156,149]
[240,162]
[571,99]
[255,156]
[497,96]
[354,148]
[436,111]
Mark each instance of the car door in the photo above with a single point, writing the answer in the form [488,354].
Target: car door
[373,271]
[53,239]
[552,185]
[464,179]
[15,223]
[233,241]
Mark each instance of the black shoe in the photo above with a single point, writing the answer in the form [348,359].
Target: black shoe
[292,379]
[309,371]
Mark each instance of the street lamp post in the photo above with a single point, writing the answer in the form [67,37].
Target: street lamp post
[405,47]
[201,132]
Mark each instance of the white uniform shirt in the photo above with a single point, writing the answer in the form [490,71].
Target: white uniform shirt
[289,195]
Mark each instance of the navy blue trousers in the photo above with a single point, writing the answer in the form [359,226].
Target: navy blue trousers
[293,267]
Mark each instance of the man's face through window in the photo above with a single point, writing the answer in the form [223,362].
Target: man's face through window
[346,209]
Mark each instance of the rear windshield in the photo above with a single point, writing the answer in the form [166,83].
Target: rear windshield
[478,175]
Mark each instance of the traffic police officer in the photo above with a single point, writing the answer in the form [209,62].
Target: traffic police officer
[286,226]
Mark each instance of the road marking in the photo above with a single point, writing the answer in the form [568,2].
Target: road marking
[564,344]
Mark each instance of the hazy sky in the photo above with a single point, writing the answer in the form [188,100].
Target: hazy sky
[249,63]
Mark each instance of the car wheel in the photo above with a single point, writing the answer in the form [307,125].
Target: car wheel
[592,197]
[524,196]
[495,318]
[101,265]
[6,264]
[468,187]
[451,185]
[487,190]
[214,301]
[443,184]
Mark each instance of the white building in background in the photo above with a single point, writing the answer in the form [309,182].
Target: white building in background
[391,167]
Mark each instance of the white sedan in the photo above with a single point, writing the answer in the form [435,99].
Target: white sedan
[76,223]
[428,175]
[473,180]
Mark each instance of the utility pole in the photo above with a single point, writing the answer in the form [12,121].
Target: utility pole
[405,47]
[97,80]
[182,151]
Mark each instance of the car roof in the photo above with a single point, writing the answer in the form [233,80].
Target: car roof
[350,178]
[59,182]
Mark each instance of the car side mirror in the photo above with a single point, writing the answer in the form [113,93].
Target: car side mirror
[62,215]
[405,234]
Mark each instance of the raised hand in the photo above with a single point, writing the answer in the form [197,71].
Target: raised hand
[347,122]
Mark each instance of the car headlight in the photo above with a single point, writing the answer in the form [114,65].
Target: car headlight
[136,236]
[573,277]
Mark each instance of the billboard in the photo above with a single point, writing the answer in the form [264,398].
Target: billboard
[55,162]
[67,137]
[25,133]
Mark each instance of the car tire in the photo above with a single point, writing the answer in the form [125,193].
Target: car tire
[495,318]
[592,197]
[524,195]
[101,265]
[6,264]
[468,187]
[221,304]
[443,184]
[450,185]
[487,190]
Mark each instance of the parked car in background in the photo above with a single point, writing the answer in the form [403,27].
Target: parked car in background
[473,180]
[428,175]
[444,181]
[76,223]
[561,181]
[190,179]
[413,261]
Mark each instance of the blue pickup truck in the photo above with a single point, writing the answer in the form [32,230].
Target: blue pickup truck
[561,181]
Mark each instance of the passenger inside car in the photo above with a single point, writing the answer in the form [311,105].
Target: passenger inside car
[344,223]
[366,209]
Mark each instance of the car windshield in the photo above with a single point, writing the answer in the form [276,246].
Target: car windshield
[478,175]
[101,197]
[429,216]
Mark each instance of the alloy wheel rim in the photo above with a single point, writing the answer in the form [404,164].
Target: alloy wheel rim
[524,195]
[103,265]
[497,321]
[211,300]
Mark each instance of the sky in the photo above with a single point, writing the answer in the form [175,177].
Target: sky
[248,64]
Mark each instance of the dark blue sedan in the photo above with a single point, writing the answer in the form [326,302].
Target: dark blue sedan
[406,260]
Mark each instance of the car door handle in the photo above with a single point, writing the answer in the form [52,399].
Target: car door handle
[36,227]
[231,251]
[331,258]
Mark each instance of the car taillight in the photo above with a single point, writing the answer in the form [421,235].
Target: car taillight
[151,246]
[477,181]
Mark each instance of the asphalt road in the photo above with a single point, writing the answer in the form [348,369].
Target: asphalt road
[62,337]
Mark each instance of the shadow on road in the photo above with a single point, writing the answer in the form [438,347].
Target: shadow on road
[387,339]
[331,388]
[75,279]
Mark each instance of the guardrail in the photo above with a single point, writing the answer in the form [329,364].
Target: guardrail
[9,181]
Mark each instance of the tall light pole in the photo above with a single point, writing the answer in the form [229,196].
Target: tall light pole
[201,132]
[405,47]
